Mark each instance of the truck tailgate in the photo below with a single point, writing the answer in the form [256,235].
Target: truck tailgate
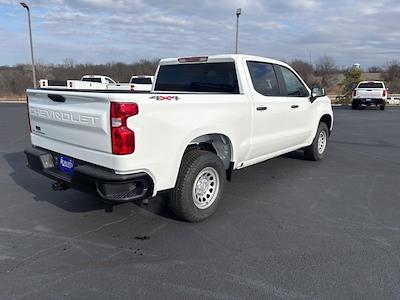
[370,93]
[71,118]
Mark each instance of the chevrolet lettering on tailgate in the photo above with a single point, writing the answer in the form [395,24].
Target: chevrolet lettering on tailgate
[63,116]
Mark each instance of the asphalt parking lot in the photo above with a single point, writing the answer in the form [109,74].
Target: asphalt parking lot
[286,229]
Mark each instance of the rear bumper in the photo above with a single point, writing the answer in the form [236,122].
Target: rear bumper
[90,178]
[367,101]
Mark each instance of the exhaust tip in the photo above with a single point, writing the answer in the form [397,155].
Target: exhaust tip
[59,186]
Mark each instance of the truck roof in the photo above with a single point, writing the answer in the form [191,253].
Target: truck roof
[142,76]
[217,58]
[371,81]
[93,76]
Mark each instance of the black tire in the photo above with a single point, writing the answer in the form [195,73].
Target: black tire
[353,105]
[382,107]
[312,152]
[181,199]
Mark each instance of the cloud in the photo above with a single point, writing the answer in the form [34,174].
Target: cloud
[303,4]
[122,30]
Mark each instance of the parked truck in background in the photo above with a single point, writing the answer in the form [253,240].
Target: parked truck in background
[141,82]
[204,118]
[368,93]
[98,78]
[87,82]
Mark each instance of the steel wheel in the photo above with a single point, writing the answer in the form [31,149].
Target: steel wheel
[322,141]
[205,188]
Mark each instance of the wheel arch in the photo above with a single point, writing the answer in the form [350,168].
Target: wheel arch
[327,119]
[218,143]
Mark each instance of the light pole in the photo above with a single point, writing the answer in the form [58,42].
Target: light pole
[30,38]
[238,13]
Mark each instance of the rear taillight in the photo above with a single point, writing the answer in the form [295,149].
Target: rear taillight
[384,93]
[354,93]
[122,138]
[29,117]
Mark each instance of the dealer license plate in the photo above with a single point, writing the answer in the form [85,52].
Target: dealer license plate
[66,165]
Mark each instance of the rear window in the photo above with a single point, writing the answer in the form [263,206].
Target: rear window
[199,77]
[92,79]
[370,85]
[141,80]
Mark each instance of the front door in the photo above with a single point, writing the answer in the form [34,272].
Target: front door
[298,99]
[271,130]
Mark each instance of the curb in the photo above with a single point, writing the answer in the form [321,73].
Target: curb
[12,101]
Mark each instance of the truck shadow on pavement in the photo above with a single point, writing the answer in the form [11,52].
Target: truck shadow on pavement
[298,155]
[70,200]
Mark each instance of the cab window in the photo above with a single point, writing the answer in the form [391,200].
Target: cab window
[294,87]
[263,78]
[91,79]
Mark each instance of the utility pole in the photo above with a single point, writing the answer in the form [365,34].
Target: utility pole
[24,5]
[238,13]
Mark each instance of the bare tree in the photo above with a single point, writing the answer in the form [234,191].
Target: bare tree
[375,69]
[325,65]
[15,80]
[326,68]
[69,62]
[392,76]
[305,70]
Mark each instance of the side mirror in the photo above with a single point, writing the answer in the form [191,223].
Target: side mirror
[317,92]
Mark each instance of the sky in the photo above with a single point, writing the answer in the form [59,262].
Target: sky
[100,31]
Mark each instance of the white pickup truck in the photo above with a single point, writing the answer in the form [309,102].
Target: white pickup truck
[369,93]
[205,117]
[98,79]
[89,82]
[141,82]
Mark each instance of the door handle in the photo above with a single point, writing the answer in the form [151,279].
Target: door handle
[260,108]
[295,106]
[56,98]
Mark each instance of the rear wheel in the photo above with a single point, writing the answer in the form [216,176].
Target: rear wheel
[199,187]
[354,105]
[382,107]
[316,151]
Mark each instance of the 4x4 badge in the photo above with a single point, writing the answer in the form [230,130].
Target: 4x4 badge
[162,98]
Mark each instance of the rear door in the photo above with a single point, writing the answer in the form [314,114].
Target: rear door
[73,118]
